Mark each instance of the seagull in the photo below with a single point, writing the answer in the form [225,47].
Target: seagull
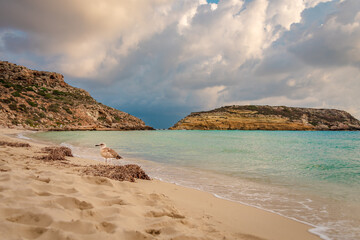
[106,152]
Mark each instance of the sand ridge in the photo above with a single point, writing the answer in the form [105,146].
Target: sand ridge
[54,200]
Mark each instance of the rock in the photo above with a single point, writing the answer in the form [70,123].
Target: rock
[252,117]
[43,100]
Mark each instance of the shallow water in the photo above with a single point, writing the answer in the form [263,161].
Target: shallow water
[308,176]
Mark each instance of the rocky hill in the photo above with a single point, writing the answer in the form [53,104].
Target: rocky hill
[253,117]
[42,100]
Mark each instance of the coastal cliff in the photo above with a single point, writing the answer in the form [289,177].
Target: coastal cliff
[43,100]
[253,117]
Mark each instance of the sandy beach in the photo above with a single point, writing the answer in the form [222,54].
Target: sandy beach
[55,200]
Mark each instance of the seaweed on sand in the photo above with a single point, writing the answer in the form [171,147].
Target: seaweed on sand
[14,144]
[120,173]
[56,153]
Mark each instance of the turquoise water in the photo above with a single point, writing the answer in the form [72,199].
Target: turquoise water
[312,177]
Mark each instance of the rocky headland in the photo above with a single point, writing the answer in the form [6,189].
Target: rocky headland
[253,117]
[43,100]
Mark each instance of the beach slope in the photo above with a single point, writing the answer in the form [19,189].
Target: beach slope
[55,200]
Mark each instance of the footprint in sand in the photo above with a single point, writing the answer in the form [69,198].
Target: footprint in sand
[5,177]
[78,227]
[41,179]
[29,218]
[115,202]
[43,194]
[98,181]
[136,235]
[54,189]
[56,234]
[83,227]
[153,199]
[2,188]
[5,169]
[106,227]
[153,232]
[73,203]
[171,214]
[31,232]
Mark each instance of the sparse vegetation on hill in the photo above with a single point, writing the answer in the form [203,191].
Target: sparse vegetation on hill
[42,100]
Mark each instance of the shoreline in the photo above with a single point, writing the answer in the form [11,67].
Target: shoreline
[170,210]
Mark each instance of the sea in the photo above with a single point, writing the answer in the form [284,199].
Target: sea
[309,176]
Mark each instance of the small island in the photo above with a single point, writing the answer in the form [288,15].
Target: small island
[254,117]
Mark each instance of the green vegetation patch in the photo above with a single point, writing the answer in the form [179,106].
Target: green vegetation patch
[41,93]
[41,115]
[54,107]
[59,98]
[18,88]
[16,94]
[31,123]
[8,85]
[117,118]
[291,113]
[59,93]
[6,100]
[13,106]
[15,122]
[22,107]
[31,103]
[67,110]
[29,89]
[67,101]
[252,108]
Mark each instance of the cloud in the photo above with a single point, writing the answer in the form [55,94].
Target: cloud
[165,58]
[81,35]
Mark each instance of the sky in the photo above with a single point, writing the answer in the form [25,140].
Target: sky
[162,59]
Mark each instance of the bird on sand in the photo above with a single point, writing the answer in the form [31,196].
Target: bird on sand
[106,152]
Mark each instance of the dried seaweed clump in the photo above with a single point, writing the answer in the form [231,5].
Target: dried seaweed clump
[121,173]
[14,144]
[56,153]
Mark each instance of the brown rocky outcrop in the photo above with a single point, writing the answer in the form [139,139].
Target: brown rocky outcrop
[253,117]
[43,100]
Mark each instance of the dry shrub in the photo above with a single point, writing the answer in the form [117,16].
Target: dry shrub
[56,153]
[121,173]
[14,144]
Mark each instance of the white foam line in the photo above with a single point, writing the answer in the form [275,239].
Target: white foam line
[316,230]
[21,136]
[313,230]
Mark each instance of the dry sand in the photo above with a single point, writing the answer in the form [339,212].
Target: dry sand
[53,200]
